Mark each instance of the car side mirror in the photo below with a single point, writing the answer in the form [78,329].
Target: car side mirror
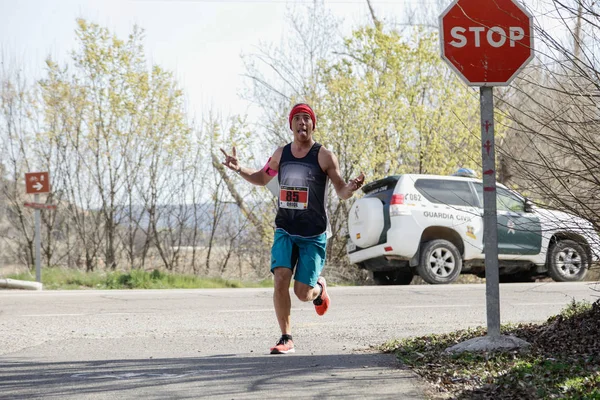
[528,205]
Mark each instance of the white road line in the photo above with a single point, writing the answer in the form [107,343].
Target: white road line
[52,315]
[260,310]
[75,315]
[481,305]
[442,306]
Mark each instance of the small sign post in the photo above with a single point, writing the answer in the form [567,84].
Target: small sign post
[36,183]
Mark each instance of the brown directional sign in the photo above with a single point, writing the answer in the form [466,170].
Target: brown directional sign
[37,182]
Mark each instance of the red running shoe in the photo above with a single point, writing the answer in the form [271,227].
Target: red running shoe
[284,346]
[322,302]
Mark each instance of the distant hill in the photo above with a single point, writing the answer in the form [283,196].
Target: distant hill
[200,215]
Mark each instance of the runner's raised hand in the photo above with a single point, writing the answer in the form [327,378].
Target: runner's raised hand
[358,181]
[231,161]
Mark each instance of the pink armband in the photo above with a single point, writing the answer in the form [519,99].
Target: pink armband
[268,170]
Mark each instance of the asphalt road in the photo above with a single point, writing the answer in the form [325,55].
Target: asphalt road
[188,344]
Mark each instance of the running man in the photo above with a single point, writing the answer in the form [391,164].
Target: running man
[304,168]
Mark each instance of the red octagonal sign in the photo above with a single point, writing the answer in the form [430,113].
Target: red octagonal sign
[486,42]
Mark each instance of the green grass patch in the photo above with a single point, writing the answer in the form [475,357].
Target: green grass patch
[65,279]
[574,309]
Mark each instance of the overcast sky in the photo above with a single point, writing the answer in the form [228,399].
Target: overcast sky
[200,41]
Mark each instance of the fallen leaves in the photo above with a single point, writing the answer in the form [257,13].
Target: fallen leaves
[562,362]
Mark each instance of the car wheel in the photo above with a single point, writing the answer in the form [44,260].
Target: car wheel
[440,262]
[396,277]
[568,261]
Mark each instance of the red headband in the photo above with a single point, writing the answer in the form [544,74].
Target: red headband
[303,108]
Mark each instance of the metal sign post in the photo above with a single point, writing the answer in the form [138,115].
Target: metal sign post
[38,241]
[490,219]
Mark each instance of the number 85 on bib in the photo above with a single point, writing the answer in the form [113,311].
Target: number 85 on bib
[293,197]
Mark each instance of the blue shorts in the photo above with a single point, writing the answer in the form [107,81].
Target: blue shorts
[306,255]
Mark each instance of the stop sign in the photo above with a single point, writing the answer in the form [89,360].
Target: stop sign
[486,42]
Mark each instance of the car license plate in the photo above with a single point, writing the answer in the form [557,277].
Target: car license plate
[350,247]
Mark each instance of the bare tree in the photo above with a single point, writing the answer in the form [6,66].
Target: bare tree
[278,76]
[554,116]
[552,150]
[17,118]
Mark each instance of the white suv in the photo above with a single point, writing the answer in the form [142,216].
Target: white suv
[432,226]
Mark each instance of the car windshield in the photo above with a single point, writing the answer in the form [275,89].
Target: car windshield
[506,199]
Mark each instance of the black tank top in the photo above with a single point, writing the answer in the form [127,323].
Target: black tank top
[302,193]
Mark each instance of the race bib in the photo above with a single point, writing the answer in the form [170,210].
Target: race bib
[293,197]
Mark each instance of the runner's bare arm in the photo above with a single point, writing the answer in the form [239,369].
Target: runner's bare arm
[330,165]
[257,177]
